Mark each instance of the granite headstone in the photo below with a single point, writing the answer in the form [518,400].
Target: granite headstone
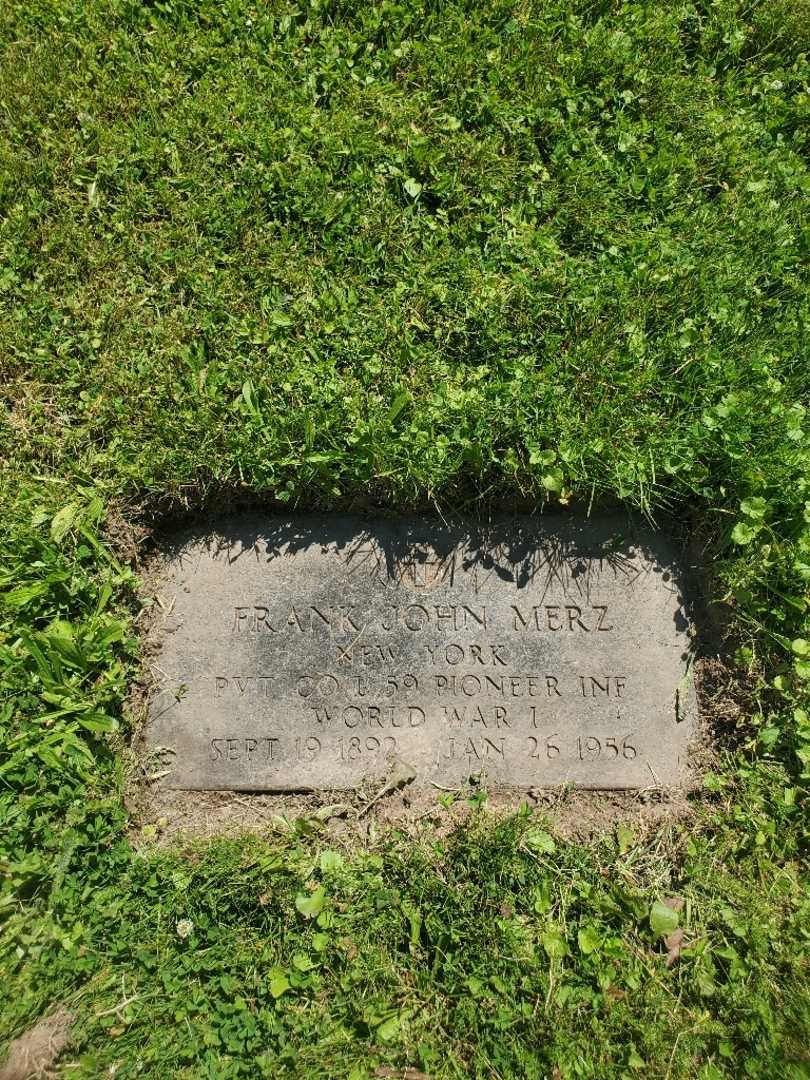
[329,652]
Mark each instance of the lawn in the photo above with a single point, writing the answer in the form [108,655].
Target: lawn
[548,255]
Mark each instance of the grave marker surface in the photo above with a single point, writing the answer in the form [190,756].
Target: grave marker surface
[328,652]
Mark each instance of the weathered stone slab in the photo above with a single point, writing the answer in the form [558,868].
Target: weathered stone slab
[324,652]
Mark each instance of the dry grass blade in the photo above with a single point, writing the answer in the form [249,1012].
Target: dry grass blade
[400,1074]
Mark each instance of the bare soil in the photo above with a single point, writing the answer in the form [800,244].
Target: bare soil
[34,1054]
[163,816]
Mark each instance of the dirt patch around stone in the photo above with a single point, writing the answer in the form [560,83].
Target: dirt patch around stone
[165,817]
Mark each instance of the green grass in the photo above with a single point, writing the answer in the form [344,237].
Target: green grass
[409,254]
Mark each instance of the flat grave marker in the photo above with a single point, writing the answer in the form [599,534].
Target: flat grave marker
[311,653]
